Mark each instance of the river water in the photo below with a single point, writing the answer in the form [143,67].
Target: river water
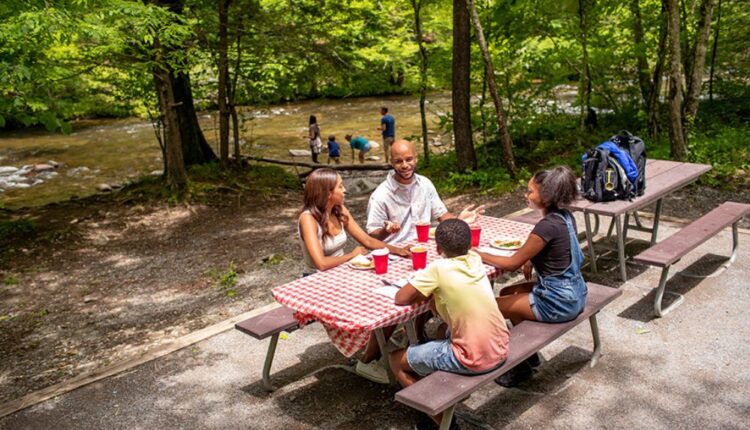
[109,151]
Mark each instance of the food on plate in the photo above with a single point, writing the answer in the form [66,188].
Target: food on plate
[507,243]
[432,232]
[361,262]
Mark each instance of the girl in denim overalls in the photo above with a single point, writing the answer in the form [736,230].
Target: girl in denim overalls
[559,293]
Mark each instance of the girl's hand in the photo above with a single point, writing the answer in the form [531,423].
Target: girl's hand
[527,269]
[470,214]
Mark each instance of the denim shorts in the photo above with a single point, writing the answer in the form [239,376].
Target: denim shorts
[558,304]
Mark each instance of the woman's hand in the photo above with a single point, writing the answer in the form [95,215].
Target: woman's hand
[527,269]
[360,250]
[470,214]
[402,252]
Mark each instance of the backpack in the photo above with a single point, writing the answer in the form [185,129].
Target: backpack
[634,146]
[604,179]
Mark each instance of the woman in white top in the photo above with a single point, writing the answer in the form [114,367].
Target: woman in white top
[324,222]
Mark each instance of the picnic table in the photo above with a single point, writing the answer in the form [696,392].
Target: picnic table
[343,299]
[663,178]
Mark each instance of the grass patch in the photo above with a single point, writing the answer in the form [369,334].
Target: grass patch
[225,280]
[10,280]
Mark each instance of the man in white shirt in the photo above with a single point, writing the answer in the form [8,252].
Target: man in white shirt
[406,198]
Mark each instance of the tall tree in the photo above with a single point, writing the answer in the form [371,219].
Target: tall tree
[502,121]
[173,158]
[713,52]
[656,80]
[677,141]
[417,6]
[223,66]
[694,75]
[585,87]
[644,78]
[461,91]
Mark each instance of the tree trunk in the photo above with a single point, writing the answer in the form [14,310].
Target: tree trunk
[195,149]
[585,87]
[417,6]
[232,90]
[698,65]
[654,106]
[676,132]
[644,78]
[502,121]
[175,165]
[223,83]
[482,99]
[713,53]
[461,91]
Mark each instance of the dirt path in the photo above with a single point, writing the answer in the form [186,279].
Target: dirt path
[103,281]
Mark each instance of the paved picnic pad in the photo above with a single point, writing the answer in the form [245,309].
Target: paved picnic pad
[688,369]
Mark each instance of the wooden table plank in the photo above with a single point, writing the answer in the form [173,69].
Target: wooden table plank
[661,185]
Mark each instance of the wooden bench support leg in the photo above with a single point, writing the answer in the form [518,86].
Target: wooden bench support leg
[380,336]
[269,360]
[411,332]
[625,224]
[655,227]
[590,239]
[445,424]
[597,341]
[660,294]
[621,248]
[637,219]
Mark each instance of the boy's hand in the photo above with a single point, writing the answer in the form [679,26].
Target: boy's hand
[527,269]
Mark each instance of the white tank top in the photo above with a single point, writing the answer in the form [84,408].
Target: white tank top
[332,246]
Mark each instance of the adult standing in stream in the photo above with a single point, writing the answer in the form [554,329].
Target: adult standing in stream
[388,128]
[316,145]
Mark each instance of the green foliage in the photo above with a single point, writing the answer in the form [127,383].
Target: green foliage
[21,229]
[225,280]
[10,280]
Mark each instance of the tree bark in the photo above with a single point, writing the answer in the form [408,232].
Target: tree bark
[644,78]
[585,87]
[224,112]
[461,91]
[713,52]
[175,165]
[698,64]
[502,121]
[654,125]
[417,6]
[676,133]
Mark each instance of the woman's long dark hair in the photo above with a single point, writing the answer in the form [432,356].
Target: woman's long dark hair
[320,184]
[313,120]
[558,187]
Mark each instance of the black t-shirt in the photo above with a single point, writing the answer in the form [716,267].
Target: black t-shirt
[555,257]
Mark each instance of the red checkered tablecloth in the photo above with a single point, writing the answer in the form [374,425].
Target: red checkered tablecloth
[343,300]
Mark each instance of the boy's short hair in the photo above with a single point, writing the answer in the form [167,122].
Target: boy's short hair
[348,137]
[454,237]
[384,109]
[331,137]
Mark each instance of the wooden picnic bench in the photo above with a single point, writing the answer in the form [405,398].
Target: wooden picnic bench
[442,391]
[270,323]
[672,249]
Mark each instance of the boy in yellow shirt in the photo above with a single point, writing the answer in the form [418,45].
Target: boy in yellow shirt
[474,339]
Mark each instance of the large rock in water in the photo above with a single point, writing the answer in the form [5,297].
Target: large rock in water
[299,152]
[7,170]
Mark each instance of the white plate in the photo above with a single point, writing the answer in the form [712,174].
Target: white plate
[431,235]
[495,243]
[370,267]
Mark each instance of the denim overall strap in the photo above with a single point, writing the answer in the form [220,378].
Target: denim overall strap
[576,255]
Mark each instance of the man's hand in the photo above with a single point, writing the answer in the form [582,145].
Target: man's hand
[391,227]
[470,214]
[527,269]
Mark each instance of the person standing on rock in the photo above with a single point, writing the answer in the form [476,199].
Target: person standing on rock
[316,145]
[405,199]
[388,128]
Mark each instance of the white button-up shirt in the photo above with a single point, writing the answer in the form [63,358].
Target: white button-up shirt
[403,204]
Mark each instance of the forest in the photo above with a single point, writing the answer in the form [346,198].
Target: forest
[675,72]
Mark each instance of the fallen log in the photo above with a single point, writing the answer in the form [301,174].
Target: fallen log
[313,166]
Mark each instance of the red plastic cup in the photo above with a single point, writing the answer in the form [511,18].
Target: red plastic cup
[476,232]
[380,258]
[418,257]
[423,231]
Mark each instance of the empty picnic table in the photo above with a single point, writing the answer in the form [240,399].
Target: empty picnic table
[663,177]
[344,300]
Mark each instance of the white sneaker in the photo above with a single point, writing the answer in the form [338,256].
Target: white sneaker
[372,371]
